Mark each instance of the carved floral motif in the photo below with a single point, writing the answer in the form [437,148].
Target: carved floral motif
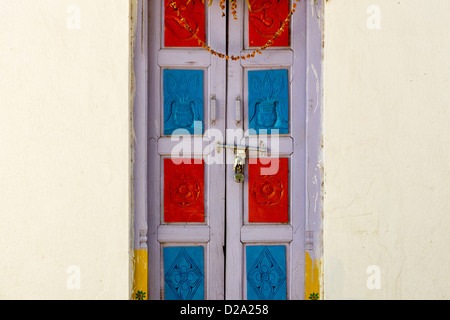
[267,275]
[184,276]
[192,13]
[268,194]
[266,17]
[184,190]
[267,191]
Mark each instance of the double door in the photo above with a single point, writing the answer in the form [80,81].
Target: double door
[226,162]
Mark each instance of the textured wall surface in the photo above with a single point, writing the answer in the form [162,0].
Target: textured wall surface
[64,149]
[386,149]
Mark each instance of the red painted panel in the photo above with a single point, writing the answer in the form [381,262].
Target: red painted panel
[265,18]
[183,191]
[175,33]
[268,191]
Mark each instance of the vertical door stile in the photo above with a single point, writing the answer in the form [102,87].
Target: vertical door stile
[154,196]
[299,162]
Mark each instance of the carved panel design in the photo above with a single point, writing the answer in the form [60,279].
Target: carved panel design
[175,34]
[268,190]
[183,273]
[266,273]
[268,101]
[265,18]
[183,101]
[183,191]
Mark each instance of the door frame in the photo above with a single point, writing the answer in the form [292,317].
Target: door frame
[140,35]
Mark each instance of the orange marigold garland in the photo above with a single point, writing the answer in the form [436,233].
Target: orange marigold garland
[233,8]
[233,12]
[222,7]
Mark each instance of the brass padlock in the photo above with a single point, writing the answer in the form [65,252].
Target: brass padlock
[238,169]
[239,177]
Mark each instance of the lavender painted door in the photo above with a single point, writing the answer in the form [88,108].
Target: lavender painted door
[186,206]
[266,213]
[211,235]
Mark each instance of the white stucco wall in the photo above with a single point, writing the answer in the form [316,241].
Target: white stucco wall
[64,149]
[387,149]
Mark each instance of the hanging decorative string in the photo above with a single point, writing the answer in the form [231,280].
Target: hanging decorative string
[233,6]
[259,50]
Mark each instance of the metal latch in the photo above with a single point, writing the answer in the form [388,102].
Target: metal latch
[239,159]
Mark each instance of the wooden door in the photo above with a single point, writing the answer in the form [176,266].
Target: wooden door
[186,202]
[265,214]
[211,237]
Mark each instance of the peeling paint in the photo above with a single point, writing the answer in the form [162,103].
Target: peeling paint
[316,75]
[133,254]
[315,180]
[317,13]
[140,284]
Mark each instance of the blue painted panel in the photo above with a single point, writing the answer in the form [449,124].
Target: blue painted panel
[266,272]
[183,101]
[268,101]
[183,273]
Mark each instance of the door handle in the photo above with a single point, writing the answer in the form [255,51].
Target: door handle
[238,111]
[213,109]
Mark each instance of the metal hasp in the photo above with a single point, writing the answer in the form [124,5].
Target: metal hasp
[237,148]
[239,159]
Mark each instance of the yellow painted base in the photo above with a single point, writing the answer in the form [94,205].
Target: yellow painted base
[140,286]
[313,271]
